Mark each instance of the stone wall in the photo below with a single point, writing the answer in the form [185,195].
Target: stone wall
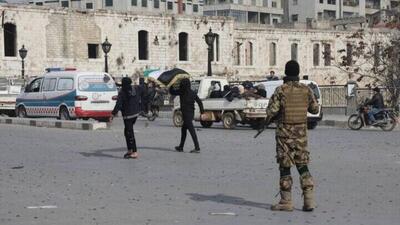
[59,38]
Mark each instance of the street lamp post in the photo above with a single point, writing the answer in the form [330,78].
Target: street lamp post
[106,46]
[209,38]
[22,53]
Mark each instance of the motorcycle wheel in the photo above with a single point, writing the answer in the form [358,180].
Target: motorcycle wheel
[355,122]
[390,124]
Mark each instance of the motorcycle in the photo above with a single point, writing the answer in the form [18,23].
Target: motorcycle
[385,119]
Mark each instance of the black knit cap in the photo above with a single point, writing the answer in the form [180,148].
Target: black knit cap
[292,68]
[376,89]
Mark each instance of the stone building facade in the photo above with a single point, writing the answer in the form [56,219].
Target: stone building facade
[69,38]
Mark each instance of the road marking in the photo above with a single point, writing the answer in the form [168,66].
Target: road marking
[42,207]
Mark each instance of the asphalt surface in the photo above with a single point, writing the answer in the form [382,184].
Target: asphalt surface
[55,176]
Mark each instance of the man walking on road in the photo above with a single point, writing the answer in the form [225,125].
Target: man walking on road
[289,105]
[187,99]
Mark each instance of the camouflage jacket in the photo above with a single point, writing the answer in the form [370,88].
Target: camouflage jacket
[274,112]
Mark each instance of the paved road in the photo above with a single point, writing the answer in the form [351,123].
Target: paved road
[83,175]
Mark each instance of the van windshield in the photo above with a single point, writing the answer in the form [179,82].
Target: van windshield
[95,83]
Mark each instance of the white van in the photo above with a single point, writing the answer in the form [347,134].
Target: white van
[69,95]
[313,119]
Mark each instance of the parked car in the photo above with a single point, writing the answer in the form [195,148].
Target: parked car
[10,88]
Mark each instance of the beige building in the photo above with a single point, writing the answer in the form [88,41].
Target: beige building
[69,38]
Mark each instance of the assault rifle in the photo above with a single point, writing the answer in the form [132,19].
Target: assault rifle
[264,125]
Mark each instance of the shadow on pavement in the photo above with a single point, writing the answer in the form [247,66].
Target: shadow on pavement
[103,152]
[226,199]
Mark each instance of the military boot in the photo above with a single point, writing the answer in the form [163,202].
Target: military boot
[307,185]
[285,204]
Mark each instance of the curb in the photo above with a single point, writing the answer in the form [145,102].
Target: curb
[64,124]
[333,123]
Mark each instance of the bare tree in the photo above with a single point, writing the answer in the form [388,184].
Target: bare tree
[373,58]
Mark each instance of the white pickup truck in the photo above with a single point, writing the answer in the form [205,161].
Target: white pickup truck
[242,111]
[219,109]
[9,90]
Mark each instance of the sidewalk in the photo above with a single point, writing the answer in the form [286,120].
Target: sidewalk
[334,121]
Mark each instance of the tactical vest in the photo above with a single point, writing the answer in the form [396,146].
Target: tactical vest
[296,104]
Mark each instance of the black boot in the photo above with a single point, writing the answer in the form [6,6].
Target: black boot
[195,150]
[179,149]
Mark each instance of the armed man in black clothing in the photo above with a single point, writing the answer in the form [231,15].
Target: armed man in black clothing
[377,105]
[187,99]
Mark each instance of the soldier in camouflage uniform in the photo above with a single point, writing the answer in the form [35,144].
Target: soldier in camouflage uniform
[289,106]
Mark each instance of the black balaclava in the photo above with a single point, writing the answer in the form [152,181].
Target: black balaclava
[184,85]
[127,86]
[292,71]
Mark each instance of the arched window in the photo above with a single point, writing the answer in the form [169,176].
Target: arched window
[294,51]
[236,53]
[327,54]
[249,53]
[143,45]
[272,54]
[10,40]
[316,55]
[216,48]
[183,46]
[349,57]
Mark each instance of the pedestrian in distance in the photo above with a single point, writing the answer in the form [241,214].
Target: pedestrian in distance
[187,99]
[289,106]
[129,103]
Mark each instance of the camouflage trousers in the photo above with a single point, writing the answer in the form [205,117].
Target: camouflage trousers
[292,151]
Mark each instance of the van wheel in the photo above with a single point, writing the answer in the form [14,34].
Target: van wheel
[21,112]
[64,114]
[177,118]
[228,120]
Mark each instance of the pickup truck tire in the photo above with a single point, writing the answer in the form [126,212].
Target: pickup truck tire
[177,118]
[21,112]
[228,120]
[206,124]
[312,125]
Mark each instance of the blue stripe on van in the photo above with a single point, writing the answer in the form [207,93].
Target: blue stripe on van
[68,99]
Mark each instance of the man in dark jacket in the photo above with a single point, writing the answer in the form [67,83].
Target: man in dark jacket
[377,105]
[128,102]
[187,98]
